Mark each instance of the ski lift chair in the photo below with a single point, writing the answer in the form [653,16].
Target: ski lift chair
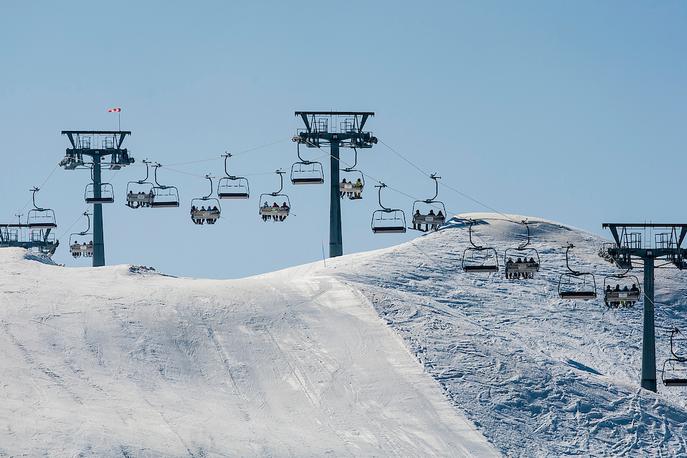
[40,218]
[275,212]
[387,220]
[140,193]
[353,181]
[205,209]
[574,284]
[232,186]
[164,196]
[674,368]
[431,221]
[478,258]
[106,194]
[306,172]
[621,294]
[82,249]
[527,261]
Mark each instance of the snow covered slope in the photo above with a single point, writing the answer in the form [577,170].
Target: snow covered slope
[539,376]
[118,361]
[112,361]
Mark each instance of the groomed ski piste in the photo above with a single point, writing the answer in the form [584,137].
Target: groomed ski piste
[395,352]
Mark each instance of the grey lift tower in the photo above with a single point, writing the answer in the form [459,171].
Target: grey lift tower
[667,247]
[344,130]
[91,149]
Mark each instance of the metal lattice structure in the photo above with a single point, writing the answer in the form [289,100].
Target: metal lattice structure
[336,129]
[666,246]
[92,149]
[36,235]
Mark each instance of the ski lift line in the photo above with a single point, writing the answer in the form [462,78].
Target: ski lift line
[202,176]
[215,158]
[366,175]
[63,233]
[457,191]
[28,202]
[378,181]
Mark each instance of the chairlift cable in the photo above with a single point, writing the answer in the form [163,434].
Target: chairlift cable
[28,202]
[447,186]
[214,158]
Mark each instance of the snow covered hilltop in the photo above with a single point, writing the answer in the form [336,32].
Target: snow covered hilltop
[391,352]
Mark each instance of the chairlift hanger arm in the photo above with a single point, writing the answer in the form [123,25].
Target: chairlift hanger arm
[380,186]
[226,170]
[527,242]
[281,182]
[146,162]
[355,161]
[211,187]
[567,260]
[470,224]
[155,167]
[436,189]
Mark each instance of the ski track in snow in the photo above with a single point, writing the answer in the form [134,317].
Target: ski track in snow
[122,362]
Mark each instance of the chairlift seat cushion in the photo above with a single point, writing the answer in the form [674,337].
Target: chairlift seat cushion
[99,200]
[42,225]
[389,229]
[164,204]
[313,180]
[577,294]
[675,382]
[233,195]
[482,268]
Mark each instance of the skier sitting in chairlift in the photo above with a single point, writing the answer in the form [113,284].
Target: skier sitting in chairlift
[433,216]
[285,211]
[416,218]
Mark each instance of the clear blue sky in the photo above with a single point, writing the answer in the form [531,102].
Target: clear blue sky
[572,111]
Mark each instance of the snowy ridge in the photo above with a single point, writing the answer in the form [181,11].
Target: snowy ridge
[539,376]
[116,361]
[121,361]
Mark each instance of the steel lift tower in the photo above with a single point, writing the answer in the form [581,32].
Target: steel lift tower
[667,247]
[92,149]
[345,130]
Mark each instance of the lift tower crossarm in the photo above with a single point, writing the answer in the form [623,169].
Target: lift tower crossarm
[623,253]
[351,136]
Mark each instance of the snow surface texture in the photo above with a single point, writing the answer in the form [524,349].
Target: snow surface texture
[539,376]
[121,361]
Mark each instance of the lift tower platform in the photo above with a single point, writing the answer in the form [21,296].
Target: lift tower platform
[91,149]
[666,246]
[337,129]
[21,235]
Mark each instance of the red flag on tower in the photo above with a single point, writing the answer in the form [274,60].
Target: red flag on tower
[114,110]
